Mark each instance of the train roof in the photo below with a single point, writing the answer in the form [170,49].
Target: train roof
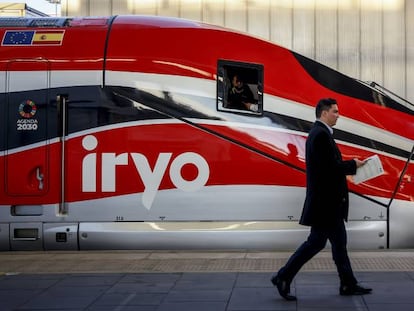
[144,20]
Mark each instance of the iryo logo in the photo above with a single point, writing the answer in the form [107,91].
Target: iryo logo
[150,178]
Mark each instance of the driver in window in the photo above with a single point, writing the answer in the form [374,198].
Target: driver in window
[240,96]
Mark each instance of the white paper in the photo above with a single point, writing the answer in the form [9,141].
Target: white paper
[372,168]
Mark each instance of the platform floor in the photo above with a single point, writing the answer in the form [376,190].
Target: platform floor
[197,281]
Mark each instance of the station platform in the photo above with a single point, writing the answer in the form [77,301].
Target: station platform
[197,280]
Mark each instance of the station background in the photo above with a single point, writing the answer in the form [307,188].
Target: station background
[371,40]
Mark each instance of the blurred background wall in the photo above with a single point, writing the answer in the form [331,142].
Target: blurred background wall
[371,40]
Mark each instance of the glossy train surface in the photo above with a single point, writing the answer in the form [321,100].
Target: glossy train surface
[117,133]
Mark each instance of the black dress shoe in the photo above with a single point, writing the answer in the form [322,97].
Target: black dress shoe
[345,290]
[283,287]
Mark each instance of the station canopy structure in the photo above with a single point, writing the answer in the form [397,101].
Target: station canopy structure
[14,9]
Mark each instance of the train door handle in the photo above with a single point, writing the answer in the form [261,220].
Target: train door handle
[39,177]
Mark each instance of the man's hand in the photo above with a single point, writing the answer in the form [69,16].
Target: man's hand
[359,163]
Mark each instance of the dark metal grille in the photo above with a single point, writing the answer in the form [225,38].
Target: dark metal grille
[33,22]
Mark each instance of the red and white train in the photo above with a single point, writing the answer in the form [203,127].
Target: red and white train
[116,134]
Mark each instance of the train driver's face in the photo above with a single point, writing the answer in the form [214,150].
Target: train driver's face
[331,116]
[236,81]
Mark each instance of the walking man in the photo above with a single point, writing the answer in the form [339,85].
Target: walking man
[326,204]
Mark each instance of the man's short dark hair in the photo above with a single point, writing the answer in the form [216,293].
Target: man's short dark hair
[324,104]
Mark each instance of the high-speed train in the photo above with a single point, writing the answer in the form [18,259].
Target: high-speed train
[117,133]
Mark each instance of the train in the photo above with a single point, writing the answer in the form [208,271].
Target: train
[117,134]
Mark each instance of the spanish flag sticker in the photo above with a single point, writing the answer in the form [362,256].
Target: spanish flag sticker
[48,37]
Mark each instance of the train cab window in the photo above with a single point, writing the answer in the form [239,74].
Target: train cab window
[240,87]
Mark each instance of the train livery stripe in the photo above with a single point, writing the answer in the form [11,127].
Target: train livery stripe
[179,87]
[206,88]
[199,87]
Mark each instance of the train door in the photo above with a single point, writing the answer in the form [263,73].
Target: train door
[27,152]
[27,156]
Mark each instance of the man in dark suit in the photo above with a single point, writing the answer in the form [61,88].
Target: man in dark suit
[326,204]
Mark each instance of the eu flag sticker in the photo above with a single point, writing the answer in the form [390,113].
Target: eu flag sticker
[13,37]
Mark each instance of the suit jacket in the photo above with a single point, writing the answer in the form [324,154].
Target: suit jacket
[326,201]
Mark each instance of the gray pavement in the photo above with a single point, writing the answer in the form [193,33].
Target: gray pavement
[246,291]
[196,281]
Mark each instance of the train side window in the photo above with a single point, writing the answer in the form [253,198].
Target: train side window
[240,87]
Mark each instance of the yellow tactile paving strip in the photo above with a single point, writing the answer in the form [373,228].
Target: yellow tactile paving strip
[190,261]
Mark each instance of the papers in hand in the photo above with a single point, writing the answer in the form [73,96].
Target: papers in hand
[372,168]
